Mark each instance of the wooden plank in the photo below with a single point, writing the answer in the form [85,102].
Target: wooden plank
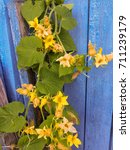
[111,137]
[1,73]
[3,97]
[77,90]
[99,86]
[5,139]
[7,54]
[16,35]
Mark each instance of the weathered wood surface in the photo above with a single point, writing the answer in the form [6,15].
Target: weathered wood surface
[99,94]
[92,97]
[3,97]
[77,90]
[5,139]
[9,31]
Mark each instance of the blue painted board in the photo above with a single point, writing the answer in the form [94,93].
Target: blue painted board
[9,31]
[7,53]
[99,86]
[77,90]
[1,72]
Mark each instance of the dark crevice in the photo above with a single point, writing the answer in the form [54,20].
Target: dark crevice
[85,123]
[111,136]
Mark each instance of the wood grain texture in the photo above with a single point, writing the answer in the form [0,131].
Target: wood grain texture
[77,90]
[1,73]
[7,54]
[5,139]
[10,29]
[3,97]
[99,87]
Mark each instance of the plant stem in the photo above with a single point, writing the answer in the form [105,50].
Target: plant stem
[26,112]
[60,27]
[61,43]
[42,114]
[44,55]
[56,24]
[51,13]
[56,19]
[46,11]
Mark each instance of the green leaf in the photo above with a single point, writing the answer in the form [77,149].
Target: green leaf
[67,40]
[59,1]
[65,70]
[69,23]
[63,11]
[67,78]
[65,15]
[87,69]
[47,122]
[71,115]
[50,83]
[69,6]
[30,11]
[27,51]
[23,141]
[80,62]
[32,144]
[10,121]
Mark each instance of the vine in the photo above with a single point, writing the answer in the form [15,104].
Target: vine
[50,52]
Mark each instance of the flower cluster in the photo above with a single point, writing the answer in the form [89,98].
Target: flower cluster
[43,30]
[60,130]
[99,58]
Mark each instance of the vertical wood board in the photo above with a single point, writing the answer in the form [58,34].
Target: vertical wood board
[99,86]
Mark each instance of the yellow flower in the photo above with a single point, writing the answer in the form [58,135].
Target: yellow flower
[43,102]
[67,60]
[57,48]
[62,147]
[100,60]
[109,57]
[49,41]
[46,21]
[29,130]
[45,132]
[42,32]
[29,87]
[60,99]
[32,95]
[34,23]
[36,102]
[22,91]
[60,133]
[59,112]
[67,126]
[91,50]
[25,90]
[73,140]
[51,147]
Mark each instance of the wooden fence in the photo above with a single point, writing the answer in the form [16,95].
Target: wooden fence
[91,97]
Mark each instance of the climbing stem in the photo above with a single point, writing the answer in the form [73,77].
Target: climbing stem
[27,109]
[60,25]
[46,11]
[61,43]
[42,114]
[40,65]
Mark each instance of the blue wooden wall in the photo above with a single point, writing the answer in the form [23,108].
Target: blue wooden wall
[92,97]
